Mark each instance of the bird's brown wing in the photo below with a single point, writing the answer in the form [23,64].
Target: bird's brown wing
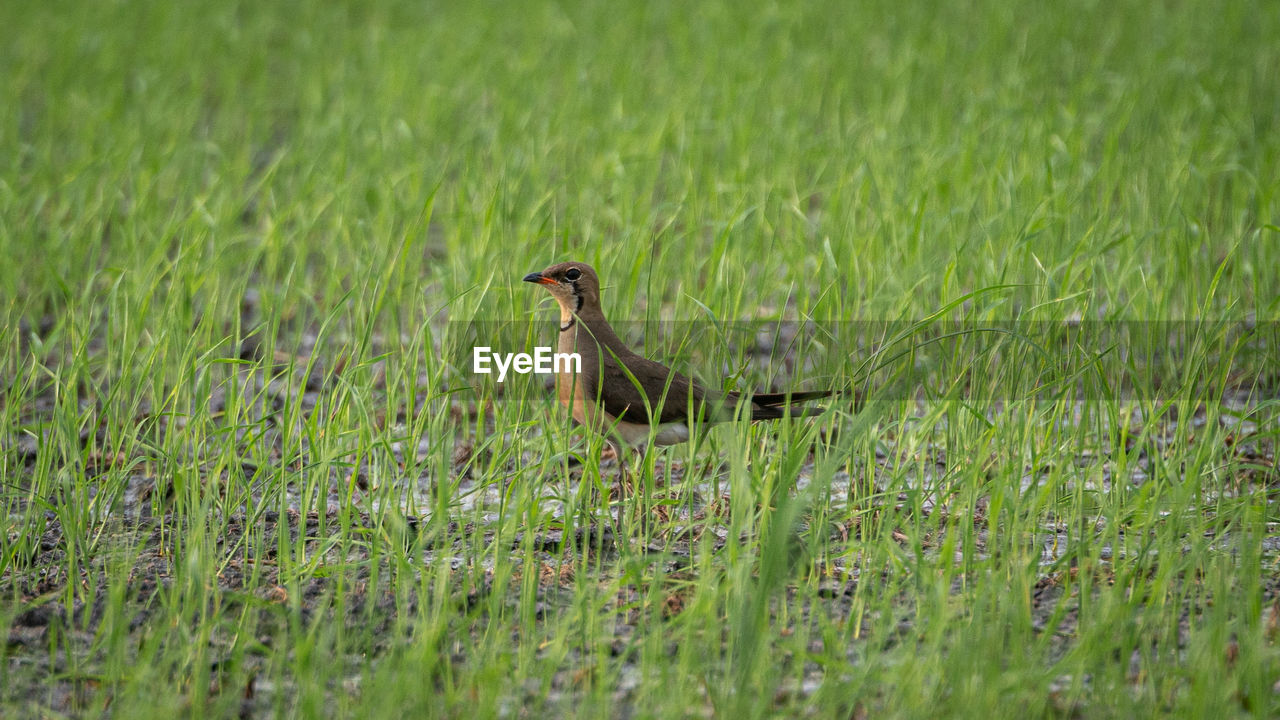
[621,398]
[668,391]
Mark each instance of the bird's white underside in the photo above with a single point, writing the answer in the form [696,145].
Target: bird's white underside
[671,433]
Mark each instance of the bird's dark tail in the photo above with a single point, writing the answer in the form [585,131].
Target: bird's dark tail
[770,406]
[776,399]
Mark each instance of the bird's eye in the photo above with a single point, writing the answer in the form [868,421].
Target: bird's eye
[573,274]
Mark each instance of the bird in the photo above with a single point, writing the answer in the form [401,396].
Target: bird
[626,397]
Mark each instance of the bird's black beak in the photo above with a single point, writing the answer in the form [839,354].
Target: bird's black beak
[539,278]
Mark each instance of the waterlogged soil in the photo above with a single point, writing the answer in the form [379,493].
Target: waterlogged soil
[64,682]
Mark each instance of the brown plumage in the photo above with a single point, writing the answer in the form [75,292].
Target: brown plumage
[604,396]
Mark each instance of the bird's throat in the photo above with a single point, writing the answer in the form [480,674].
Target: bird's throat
[567,318]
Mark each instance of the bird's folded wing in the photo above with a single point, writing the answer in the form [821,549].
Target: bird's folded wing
[667,390]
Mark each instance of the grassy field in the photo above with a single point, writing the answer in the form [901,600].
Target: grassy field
[249,247]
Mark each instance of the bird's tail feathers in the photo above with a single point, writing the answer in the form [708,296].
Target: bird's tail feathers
[770,406]
[769,400]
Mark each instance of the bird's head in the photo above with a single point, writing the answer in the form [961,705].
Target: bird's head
[573,284]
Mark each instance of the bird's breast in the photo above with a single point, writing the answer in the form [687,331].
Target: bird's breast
[570,388]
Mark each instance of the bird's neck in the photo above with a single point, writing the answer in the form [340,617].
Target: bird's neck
[588,323]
